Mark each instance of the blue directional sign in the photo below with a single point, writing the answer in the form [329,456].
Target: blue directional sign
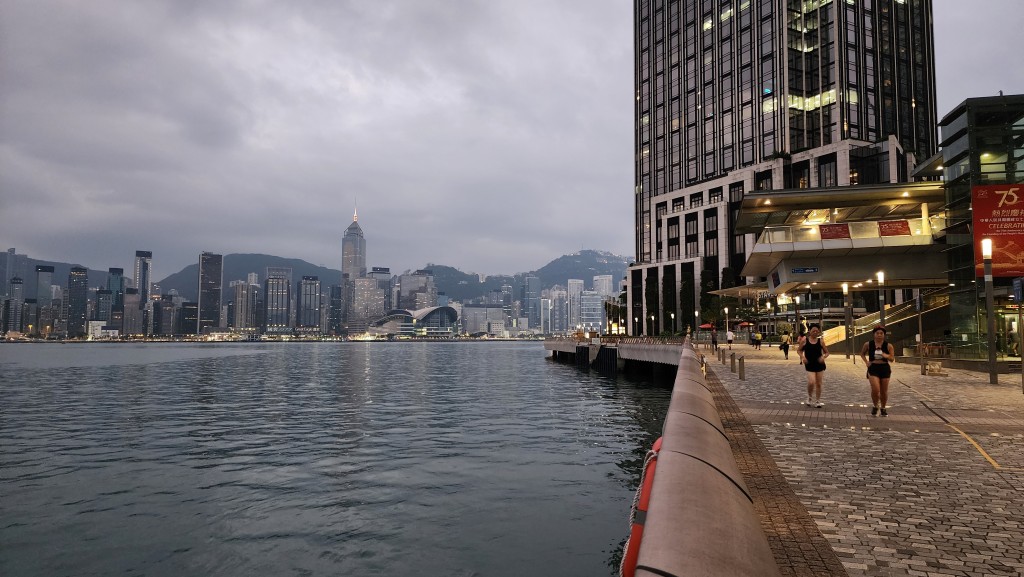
[804,270]
[1018,290]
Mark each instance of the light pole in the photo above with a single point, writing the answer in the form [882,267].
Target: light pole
[696,324]
[726,318]
[848,313]
[673,315]
[881,297]
[986,255]
[636,325]
[651,334]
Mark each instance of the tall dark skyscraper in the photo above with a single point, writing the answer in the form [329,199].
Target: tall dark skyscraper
[44,280]
[308,307]
[277,301]
[211,279]
[78,301]
[736,96]
[143,275]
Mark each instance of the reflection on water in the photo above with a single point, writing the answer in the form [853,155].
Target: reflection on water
[315,459]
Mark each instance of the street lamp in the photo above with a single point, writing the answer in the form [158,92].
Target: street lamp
[726,318]
[986,254]
[652,326]
[636,323]
[673,315]
[848,312]
[881,297]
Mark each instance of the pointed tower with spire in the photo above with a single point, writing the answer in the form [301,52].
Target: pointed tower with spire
[353,251]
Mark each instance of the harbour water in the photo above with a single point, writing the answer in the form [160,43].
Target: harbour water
[406,458]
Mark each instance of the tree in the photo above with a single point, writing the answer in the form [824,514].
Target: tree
[709,303]
[668,297]
[651,299]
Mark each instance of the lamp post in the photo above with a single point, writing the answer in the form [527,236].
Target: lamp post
[673,315]
[636,326]
[848,313]
[881,297]
[651,334]
[986,255]
[726,318]
[696,324]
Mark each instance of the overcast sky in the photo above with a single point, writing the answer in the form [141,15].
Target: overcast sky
[488,135]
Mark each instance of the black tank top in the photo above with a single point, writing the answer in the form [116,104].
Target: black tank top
[812,350]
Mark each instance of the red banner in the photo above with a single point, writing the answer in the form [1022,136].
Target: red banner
[834,231]
[998,213]
[893,228]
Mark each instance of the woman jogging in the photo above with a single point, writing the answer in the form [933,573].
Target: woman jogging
[813,353]
[876,354]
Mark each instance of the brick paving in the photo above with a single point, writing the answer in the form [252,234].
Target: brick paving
[936,489]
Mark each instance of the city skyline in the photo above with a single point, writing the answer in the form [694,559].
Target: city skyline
[473,145]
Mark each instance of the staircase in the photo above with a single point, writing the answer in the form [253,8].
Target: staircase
[933,299]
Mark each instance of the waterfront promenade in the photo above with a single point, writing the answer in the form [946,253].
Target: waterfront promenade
[935,489]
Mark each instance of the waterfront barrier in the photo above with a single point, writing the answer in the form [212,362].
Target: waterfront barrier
[701,519]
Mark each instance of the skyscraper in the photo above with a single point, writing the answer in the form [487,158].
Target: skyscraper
[15,304]
[143,275]
[211,279]
[44,282]
[78,301]
[738,96]
[308,306]
[277,301]
[573,293]
[353,250]
[116,285]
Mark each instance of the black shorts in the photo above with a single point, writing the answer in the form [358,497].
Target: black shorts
[814,367]
[880,370]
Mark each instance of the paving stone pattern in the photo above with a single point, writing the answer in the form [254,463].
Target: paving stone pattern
[936,489]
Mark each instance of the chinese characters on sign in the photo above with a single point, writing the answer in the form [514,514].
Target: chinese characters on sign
[998,213]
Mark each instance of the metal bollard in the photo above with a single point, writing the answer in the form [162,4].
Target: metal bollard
[743,373]
[721,355]
[732,362]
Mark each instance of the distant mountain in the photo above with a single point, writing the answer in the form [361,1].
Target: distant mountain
[238,267]
[584,265]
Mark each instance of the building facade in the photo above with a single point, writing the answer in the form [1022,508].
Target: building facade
[746,95]
[211,281]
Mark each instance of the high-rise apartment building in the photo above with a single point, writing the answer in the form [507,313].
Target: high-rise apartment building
[143,275]
[78,301]
[211,279]
[116,283]
[531,299]
[604,285]
[737,96]
[15,304]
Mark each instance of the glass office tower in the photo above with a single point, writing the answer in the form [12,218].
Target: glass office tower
[741,95]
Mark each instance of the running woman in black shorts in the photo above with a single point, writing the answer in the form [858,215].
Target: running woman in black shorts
[813,353]
[876,354]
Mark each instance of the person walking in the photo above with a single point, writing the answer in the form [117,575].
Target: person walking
[757,340]
[784,345]
[876,354]
[714,339]
[813,353]
[1012,343]
[729,337]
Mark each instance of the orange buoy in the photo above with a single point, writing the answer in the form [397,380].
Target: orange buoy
[638,513]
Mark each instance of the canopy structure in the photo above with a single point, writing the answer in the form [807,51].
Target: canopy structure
[748,291]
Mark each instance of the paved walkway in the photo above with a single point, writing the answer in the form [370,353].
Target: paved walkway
[935,489]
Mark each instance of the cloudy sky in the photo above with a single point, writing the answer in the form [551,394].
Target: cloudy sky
[489,135]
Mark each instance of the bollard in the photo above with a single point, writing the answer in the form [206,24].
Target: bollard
[721,355]
[732,362]
[743,374]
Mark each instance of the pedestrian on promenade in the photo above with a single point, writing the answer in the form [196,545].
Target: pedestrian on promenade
[714,339]
[785,344]
[813,353]
[876,354]
[1012,344]
[800,342]
[729,336]
[757,340]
